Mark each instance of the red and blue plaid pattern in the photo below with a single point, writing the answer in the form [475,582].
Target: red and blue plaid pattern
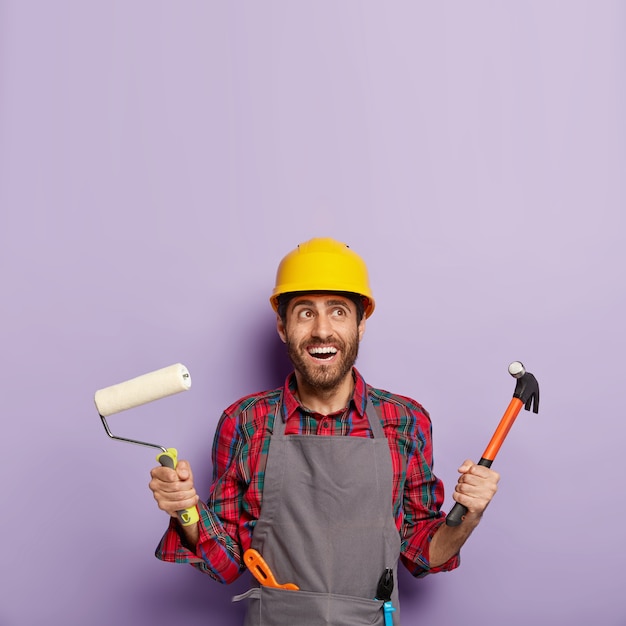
[239,457]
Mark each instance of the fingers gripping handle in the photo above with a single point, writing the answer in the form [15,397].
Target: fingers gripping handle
[458,511]
[170,459]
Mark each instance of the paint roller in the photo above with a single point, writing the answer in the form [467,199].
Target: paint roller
[141,390]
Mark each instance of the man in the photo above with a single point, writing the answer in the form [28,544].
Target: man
[327,477]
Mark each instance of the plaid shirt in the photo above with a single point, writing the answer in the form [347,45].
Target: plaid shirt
[240,450]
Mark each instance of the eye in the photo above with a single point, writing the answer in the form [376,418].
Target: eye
[305,314]
[339,312]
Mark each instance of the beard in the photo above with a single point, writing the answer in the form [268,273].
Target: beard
[321,376]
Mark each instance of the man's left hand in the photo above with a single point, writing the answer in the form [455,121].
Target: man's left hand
[476,487]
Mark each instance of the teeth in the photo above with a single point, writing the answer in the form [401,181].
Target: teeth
[323,350]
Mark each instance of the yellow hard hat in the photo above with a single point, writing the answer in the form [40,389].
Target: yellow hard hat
[323,264]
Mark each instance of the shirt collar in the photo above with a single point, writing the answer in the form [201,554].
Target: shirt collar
[291,404]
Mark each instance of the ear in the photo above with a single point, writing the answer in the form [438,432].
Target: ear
[280,327]
[361,328]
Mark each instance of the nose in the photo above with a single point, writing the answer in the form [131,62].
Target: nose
[322,327]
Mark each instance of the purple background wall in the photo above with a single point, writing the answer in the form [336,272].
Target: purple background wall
[158,159]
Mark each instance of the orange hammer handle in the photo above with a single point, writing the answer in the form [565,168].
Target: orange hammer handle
[455,517]
[503,428]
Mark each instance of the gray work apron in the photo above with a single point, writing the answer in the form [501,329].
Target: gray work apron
[327,525]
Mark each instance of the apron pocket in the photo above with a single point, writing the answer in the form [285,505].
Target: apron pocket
[268,606]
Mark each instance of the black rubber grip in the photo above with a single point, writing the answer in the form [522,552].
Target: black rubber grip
[456,515]
[166,461]
[458,511]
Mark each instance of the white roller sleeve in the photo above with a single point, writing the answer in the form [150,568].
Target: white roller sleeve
[143,389]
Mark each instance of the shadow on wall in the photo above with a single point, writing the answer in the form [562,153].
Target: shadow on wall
[187,595]
[279,364]
[418,594]
[270,364]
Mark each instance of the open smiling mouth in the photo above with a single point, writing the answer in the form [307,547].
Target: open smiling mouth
[323,353]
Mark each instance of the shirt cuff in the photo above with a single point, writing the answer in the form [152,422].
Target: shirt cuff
[418,563]
[172,549]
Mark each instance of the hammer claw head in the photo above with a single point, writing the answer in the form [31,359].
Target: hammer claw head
[533,402]
[527,390]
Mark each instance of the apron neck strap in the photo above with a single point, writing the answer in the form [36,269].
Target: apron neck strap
[370,412]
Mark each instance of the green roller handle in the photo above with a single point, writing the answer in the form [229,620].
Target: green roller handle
[170,459]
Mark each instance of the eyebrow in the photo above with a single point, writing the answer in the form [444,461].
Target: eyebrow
[327,303]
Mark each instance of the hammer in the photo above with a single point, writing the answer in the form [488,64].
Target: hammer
[526,395]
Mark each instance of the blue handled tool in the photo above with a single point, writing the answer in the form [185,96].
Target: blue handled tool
[383,593]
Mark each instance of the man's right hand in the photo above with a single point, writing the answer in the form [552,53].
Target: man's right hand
[173,488]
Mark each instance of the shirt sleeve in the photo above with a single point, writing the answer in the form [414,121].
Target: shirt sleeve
[218,552]
[422,501]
